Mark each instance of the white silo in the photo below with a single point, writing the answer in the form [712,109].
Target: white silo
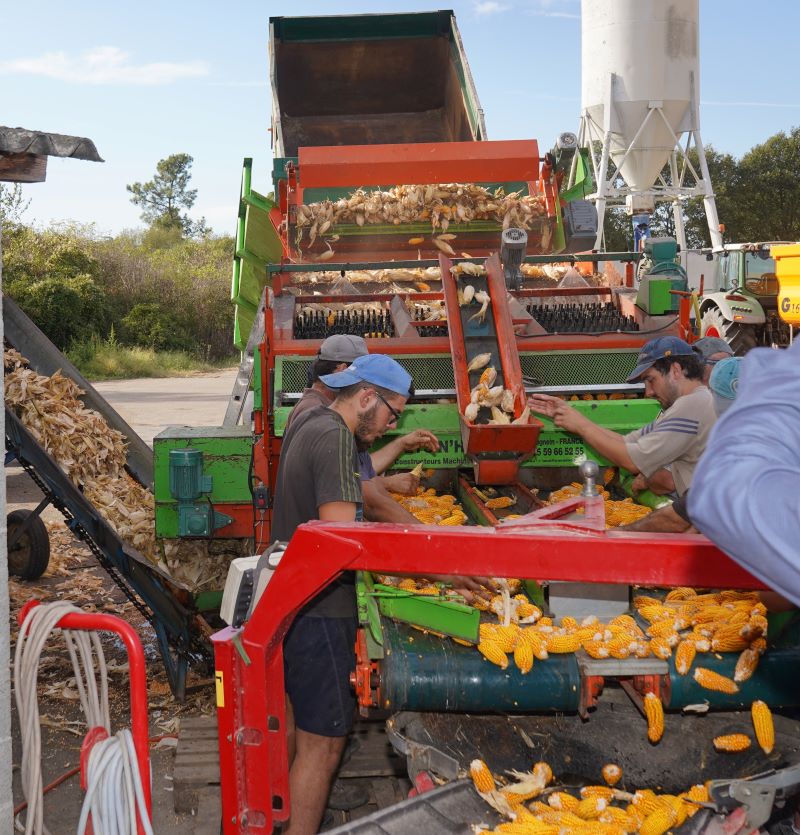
[640,106]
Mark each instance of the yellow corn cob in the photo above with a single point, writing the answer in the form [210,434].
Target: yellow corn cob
[620,647]
[661,628]
[645,802]
[627,623]
[732,742]
[500,502]
[654,711]
[528,610]
[681,593]
[729,640]
[543,773]
[563,643]
[492,652]
[523,657]
[612,773]
[701,644]
[537,641]
[538,807]
[698,793]
[681,809]
[455,519]
[480,604]
[755,627]
[462,642]
[641,649]
[764,726]
[591,807]
[684,656]
[659,821]
[596,649]
[714,681]
[661,648]
[563,801]
[407,584]
[507,637]
[759,645]
[431,591]
[619,818]
[606,792]
[569,623]
[746,665]
[481,776]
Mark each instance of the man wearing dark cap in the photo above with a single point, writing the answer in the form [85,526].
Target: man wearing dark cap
[318,478]
[671,373]
[711,349]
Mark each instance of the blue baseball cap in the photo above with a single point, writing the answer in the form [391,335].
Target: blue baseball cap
[377,369]
[724,380]
[657,349]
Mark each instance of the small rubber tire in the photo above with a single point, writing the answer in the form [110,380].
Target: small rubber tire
[741,338]
[30,556]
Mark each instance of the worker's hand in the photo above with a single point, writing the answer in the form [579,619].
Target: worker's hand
[420,439]
[469,588]
[561,413]
[405,483]
[639,484]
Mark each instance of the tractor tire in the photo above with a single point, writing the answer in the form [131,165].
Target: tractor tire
[30,556]
[740,337]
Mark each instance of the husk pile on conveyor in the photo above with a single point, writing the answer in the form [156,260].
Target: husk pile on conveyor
[93,457]
[439,204]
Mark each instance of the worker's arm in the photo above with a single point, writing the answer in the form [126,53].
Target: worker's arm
[663,520]
[607,443]
[384,457]
[337,512]
[745,495]
[379,506]
[405,483]
[661,483]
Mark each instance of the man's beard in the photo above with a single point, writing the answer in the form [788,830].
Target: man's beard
[365,429]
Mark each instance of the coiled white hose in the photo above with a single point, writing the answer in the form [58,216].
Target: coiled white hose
[114,786]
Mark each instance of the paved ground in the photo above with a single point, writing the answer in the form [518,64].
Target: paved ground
[148,406]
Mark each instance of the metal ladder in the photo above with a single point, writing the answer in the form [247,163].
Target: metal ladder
[241,386]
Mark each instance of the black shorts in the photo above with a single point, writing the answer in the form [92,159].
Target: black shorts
[318,657]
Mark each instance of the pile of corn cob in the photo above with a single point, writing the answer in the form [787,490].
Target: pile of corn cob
[432,509]
[93,457]
[441,204]
[617,512]
[534,807]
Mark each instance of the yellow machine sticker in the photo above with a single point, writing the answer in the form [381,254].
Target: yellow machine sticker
[789,304]
[218,681]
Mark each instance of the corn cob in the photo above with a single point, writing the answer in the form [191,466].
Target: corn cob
[654,613]
[714,681]
[746,665]
[591,807]
[407,584]
[663,628]
[537,641]
[523,657]
[429,591]
[620,647]
[543,773]
[645,802]
[698,793]
[563,643]
[596,649]
[684,656]
[482,777]
[755,627]
[732,742]
[563,801]
[659,821]
[500,502]
[569,623]
[455,519]
[681,593]
[729,640]
[620,818]
[654,711]
[507,637]
[660,648]
[492,652]
[612,773]
[764,726]
[606,792]
[527,611]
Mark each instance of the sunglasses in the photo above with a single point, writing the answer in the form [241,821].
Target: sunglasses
[395,414]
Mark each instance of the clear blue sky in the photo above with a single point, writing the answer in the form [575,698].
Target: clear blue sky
[149,79]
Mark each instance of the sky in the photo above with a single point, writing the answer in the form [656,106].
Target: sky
[148,79]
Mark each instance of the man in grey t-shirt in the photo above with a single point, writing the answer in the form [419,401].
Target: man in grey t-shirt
[672,374]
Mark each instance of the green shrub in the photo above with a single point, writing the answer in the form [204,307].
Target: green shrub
[149,325]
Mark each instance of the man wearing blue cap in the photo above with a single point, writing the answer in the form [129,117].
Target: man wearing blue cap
[672,374]
[318,478]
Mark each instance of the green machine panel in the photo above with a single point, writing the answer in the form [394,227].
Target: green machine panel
[226,459]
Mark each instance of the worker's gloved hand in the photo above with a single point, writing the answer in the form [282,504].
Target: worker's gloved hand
[405,483]
[561,413]
[420,439]
[469,588]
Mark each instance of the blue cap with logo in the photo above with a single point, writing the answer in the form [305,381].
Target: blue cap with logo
[724,380]
[377,369]
[657,349]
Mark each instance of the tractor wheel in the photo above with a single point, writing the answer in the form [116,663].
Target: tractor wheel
[30,555]
[740,337]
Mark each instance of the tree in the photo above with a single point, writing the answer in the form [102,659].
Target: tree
[166,197]
[12,204]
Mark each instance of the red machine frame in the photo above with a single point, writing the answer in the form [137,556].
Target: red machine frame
[249,661]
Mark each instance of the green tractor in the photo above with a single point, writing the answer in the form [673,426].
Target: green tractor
[741,304]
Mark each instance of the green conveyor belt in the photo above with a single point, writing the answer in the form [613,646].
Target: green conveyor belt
[425,672]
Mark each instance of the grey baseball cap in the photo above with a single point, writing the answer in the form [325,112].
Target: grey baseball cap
[342,347]
[709,345]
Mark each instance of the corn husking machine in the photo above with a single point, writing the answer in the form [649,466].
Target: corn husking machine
[399,281]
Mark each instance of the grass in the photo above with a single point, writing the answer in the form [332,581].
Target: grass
[100,359]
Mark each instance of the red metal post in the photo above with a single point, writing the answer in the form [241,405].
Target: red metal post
[87,622]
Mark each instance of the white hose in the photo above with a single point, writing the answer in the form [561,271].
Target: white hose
[114,785]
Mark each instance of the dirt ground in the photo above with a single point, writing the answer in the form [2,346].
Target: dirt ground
[74,575]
